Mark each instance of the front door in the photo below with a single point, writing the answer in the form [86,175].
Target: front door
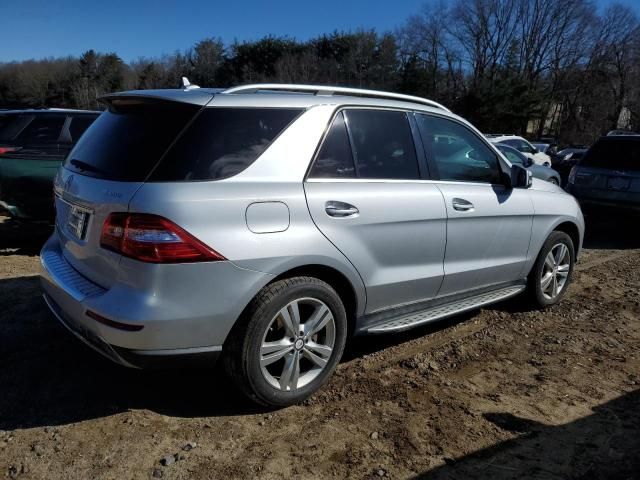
[488,224]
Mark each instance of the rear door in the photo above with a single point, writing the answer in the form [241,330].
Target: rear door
[489,225]
[105,169]
[366,194]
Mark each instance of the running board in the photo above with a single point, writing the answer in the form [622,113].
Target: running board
[415,319]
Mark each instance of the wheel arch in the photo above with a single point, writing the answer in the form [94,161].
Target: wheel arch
[573,231]
[337,280]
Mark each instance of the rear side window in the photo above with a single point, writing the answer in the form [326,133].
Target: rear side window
[457,152]
[128,140]
[79,125]
[383,144]
[614,153]
[222,142]
[42,129]
[334,159]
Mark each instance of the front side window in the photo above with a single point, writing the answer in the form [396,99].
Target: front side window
[383,144]
[520,145]
[457,152]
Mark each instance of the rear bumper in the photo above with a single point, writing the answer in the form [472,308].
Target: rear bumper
[605,198]
[174,330]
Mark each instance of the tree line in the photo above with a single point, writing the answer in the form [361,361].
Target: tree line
[540,67]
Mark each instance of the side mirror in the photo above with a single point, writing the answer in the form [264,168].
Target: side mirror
[521,177]
[529,162]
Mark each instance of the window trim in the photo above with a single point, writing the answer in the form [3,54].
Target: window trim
[433,167]
[423,169]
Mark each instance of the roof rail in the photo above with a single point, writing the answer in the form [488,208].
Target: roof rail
[328,90]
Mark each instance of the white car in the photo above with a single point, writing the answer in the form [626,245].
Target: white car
[522,146]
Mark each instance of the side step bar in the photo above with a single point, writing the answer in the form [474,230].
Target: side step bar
[405,322]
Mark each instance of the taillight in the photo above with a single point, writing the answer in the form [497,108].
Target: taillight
[4,150]
[151,238]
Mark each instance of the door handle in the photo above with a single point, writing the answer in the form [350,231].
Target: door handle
[462,205]
[340,209]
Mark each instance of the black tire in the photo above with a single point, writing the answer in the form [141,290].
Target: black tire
[242,351]
[535,290]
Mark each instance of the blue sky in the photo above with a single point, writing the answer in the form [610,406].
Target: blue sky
[45,28]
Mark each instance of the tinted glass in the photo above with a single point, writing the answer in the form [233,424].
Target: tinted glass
[512,155]
[335,159]
[42,129]
[383,144]
[79,125]
[127,141]
[458,152]
[222,142]
[615,153]
[11,125]
[519,145]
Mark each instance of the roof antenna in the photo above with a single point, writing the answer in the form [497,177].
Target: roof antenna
[186,84]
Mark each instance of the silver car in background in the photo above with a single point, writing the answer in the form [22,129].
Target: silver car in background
[267,223]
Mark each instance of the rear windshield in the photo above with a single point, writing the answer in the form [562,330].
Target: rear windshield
[222,142]
[11,125]
[614,153]
[128,140]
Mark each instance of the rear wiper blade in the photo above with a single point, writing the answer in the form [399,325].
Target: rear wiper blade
[84,166]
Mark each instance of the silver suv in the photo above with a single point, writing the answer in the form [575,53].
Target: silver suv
[268,223]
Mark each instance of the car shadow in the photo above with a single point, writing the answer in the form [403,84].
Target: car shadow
[22,238]
[603,445]
[48,377]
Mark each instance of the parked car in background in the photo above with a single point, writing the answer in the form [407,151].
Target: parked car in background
[538,171]
[523,146]
[614,133]
[266,223]
[609,173]
[566,159]
[544,147]
[33,144]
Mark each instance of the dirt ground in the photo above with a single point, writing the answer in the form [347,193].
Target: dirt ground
[501,392]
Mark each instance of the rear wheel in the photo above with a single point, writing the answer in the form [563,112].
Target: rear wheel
[288,342]
[551,274]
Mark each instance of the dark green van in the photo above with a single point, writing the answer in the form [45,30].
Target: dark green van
[33,143]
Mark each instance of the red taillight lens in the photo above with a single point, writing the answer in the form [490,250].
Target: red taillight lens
[4,150]
[151,238]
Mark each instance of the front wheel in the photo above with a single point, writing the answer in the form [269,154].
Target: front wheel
[289,341]
[551,274]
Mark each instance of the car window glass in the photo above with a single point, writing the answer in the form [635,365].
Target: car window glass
[43,129]
[78,126]
[463,156]
[222,142]
[335,159]
[614,153]
[383,144]
[512,156]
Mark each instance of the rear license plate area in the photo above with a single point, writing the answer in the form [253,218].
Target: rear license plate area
[77,221]
[618,183]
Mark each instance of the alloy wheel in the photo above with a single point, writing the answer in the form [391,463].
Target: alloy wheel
[555,271]
[297,344]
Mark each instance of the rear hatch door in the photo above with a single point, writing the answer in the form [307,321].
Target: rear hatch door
[106,168]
